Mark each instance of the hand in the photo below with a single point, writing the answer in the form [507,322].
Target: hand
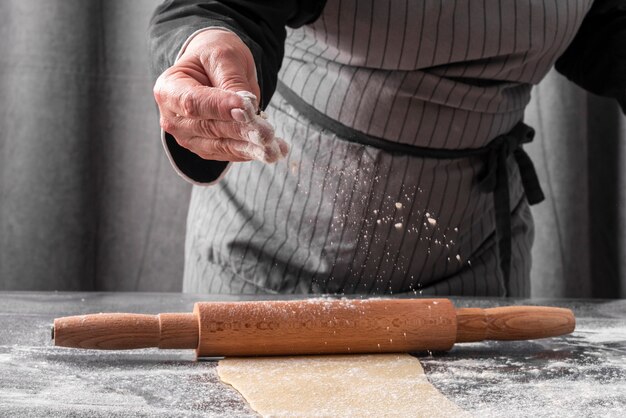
[208,102]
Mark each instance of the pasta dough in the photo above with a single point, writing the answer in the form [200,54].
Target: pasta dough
[380,385]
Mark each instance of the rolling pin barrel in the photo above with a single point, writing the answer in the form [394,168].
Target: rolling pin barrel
[322,326]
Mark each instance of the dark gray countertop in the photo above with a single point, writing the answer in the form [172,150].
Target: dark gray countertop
[583,374]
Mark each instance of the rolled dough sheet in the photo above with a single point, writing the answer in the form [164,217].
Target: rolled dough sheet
[379,385]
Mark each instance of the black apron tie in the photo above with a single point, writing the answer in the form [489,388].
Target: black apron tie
[494,179]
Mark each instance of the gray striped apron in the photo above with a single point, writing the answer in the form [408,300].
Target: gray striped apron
[344,215]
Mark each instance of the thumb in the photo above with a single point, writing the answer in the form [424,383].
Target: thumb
[231,67]
[231,78]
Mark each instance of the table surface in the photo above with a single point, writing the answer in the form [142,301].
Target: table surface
[582,374]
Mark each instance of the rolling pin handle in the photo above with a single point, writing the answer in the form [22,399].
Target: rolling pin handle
[121,331]
[114,331]
[513,323]
[178,330]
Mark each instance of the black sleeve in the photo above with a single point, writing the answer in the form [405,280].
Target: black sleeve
[261,26]
[596,58]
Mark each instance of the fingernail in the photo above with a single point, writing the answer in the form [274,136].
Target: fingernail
[241,115]
[247,95]
[251,98]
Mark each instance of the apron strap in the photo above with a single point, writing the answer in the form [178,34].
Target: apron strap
[496,180]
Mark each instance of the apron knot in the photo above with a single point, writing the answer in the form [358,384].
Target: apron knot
[497,153]
[495,179]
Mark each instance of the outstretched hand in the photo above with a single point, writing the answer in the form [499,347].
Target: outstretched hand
[208,101]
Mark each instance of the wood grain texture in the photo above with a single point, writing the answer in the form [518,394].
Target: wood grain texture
[321,326]
[513,323]
[121,331]
[471,325]
[178,330]
[107,331]
[313,326]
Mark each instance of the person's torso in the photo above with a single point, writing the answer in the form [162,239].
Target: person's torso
[437,73]
[337,216]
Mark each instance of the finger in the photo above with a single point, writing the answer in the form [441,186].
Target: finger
[272,153]
[283,146]
[228,149]
[225,149]
[254,82]
[276,150]
[250,107]
[259,132]
[186,97]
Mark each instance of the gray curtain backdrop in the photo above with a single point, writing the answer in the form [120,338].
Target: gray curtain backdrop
[89,202]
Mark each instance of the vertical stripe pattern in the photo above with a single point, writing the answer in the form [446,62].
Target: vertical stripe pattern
[346,218]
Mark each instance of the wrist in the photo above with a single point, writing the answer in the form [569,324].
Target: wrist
[200,37]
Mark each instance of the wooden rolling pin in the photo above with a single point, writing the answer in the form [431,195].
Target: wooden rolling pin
[313,326]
